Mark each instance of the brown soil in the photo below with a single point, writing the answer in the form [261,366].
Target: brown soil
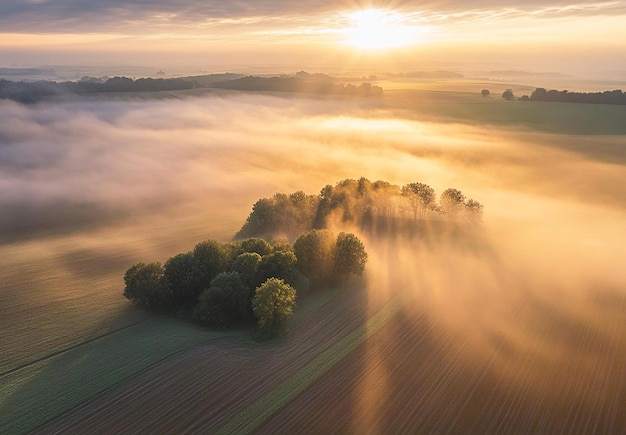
[418,374]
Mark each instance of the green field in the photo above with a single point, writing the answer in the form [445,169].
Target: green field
[46,389]
[471,107]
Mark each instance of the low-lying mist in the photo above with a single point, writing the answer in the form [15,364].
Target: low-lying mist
[89,187]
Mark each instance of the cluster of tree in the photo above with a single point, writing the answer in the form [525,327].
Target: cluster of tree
[282,214]
[300,83]
[223,285]
[30,92]
[607,97]
[207,80]
[125,84]
[367,205]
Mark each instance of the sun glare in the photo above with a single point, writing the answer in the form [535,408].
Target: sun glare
[379,29]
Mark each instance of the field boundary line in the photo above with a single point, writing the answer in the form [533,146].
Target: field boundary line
[255,414]
[67,349]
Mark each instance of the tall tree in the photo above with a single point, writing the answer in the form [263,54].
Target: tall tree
[452,203]
[420,197]
[225,303]
[272,305]
[281,264]
[256,244]
[144,285]
[350,256]
[314,250]
[179,275]
[210,258]
[247,266]
[473,211]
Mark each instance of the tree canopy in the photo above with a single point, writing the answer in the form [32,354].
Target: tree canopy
[369,206]
[273,304]
[224,303]
[314,250]
[349,255]
[616,96]
[247,266]
[216,283]
[420,197]
[508,94]
[144,285]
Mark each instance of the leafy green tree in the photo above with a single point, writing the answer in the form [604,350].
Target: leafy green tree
[281,245]
[324,207]
[272,305]
[452,203]
[508,95]
[279,264]
[364,186]
[280,215]
[473,211]
[247,266]
[210,258]
[260,221]
[299,213]
[225,303]
[179,275]
[420,197]
[350,256]
[314,251]
[231,250]
[257,245]
[144,285]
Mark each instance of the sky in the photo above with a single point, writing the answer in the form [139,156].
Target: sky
[317,35]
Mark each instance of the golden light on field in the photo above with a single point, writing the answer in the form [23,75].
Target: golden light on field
[380,29]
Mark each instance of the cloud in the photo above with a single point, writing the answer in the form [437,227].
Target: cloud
[145,17]
[137,16]
[93,162]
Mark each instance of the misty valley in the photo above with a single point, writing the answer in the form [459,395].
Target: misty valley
[311,254]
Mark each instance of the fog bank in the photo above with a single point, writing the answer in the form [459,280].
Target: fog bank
[87,187]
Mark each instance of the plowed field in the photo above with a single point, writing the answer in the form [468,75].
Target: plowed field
[384,365]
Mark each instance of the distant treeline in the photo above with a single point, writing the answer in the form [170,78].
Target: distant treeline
[606,97]
[312,84]
[30,92]
[370,206]
[302,82]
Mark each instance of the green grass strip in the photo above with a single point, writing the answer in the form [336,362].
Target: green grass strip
[39,392]
[254,415]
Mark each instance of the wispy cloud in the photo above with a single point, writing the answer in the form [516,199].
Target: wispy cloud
[143,16]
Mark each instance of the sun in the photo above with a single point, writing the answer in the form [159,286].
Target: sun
[379,29]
